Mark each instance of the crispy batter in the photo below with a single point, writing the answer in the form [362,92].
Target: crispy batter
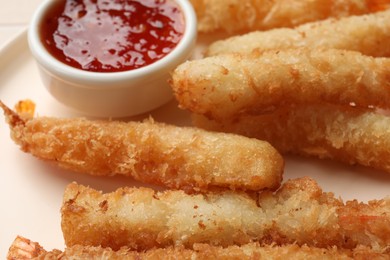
[227,86]
[23,248]
[200,251]
[347,134]
[298,213]
[368,34]
[236,16]
[177,157]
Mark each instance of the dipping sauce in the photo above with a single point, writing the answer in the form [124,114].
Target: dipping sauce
[111,35]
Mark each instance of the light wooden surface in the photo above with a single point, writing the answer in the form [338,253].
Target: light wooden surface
[14,17]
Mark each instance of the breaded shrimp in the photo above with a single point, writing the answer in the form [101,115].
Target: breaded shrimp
[23,248]
[347,134]
[368,34]
[237,16]
[176,157]
[227,86]
[200,252]
[299,212]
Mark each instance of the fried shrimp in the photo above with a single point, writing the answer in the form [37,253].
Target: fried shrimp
[176,157]
[228,86]
[299,213]
[347,134]
[368,34]
[23,248]
[237,16]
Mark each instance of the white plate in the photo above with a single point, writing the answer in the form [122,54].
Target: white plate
[31,190]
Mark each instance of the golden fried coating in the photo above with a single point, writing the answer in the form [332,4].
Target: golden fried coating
[200,251]
[23,248]
[368,34]
[228,86]
[348,134]
[236,16]
[176,157]
[299,212]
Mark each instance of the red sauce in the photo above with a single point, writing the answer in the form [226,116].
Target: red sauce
[112,35]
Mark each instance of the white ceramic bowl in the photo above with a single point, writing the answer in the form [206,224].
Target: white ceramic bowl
[111,94]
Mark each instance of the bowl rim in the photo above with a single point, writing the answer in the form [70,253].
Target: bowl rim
[62,70]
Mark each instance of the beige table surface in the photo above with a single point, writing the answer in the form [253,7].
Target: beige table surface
[14,17]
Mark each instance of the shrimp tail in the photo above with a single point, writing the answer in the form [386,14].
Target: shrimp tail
[12,118]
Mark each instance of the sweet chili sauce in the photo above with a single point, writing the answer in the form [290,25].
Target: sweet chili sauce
[111,35]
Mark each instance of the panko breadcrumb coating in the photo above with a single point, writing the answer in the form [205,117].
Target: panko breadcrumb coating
[23,248]
[227,86]
[176,157]
[368,34]
[237,16]
[342,133]
[299,213]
